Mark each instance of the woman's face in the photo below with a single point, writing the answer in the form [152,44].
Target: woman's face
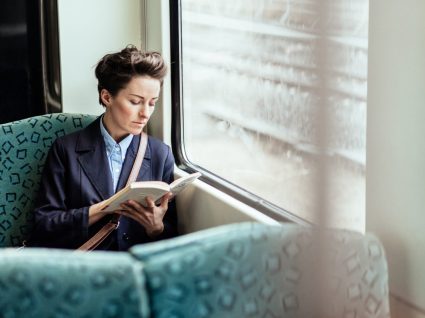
[129,111]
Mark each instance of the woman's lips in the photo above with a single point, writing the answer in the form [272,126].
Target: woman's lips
[139,123]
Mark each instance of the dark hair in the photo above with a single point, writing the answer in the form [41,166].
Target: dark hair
[114,71]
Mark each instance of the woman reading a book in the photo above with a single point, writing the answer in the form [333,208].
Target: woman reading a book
[85,168]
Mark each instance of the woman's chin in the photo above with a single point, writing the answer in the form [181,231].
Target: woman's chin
[136,131]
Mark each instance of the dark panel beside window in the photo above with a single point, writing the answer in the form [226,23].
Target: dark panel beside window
[22,92]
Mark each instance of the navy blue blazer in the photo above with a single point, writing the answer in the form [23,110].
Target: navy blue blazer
[77,175]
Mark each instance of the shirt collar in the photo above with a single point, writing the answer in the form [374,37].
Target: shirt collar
[110,143]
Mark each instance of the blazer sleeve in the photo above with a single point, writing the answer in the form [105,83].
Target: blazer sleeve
[56,225]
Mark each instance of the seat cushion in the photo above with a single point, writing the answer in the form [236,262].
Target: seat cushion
[23,150]
[59,283]
[256,270]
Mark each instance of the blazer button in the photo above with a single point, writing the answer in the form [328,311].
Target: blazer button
[125,237]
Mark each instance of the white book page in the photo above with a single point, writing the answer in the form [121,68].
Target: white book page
[138,194]
[178,185]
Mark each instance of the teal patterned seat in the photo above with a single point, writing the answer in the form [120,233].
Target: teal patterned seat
[23,148]
[238,270]
[46,283]
[256,270]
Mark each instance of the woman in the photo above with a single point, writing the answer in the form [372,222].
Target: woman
[86,167]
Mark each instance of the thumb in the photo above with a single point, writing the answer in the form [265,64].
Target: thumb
[164,200]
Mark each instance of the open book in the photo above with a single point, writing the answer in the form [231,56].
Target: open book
[139,190]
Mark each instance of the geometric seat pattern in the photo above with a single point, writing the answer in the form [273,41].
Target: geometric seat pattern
[257,270]
[24,145]
[58,283]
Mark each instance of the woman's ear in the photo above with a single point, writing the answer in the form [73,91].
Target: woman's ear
[106,97]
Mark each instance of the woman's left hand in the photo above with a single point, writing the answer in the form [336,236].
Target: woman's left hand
[150,216]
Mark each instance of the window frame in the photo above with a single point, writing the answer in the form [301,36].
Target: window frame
[177,134]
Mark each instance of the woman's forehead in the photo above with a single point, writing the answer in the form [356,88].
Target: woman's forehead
[143,86]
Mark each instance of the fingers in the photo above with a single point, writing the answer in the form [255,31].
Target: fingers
[149,202]
[151,218]
[150,207]
[164,201]
[134,206]
[125,213]
[147,221]
[138,217]
[100,206]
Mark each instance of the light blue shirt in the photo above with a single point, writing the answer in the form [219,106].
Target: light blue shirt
[115,152]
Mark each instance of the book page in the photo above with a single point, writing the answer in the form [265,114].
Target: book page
[138,191]
[178,185]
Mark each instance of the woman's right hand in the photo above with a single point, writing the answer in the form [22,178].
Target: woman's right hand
[96,212]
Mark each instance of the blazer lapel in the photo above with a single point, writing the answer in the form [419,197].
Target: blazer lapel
[93,160]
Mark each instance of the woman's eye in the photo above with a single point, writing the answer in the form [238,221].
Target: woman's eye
[135,102]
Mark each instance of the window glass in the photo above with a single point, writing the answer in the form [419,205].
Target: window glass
[250,95]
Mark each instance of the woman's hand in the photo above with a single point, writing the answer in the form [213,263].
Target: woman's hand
[96,213]
[150,217]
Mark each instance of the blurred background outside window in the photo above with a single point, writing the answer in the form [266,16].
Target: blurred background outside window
[250,91]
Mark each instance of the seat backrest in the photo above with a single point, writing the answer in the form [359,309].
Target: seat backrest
[38,282]
[256,270]
[23,150]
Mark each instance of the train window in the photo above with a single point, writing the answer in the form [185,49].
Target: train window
[249,93]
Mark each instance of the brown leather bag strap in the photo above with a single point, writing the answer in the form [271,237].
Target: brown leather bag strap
[143,143]
[112,225]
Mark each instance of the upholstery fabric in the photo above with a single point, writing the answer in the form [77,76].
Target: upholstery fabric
[58,283]
[255,270]
[23,149]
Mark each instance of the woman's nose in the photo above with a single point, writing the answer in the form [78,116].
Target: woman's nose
[144,110]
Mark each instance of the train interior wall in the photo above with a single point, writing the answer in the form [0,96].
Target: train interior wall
[395,148]
[395,178]
[89,30]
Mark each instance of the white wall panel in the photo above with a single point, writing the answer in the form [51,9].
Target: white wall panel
[87,31]
[395,179]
